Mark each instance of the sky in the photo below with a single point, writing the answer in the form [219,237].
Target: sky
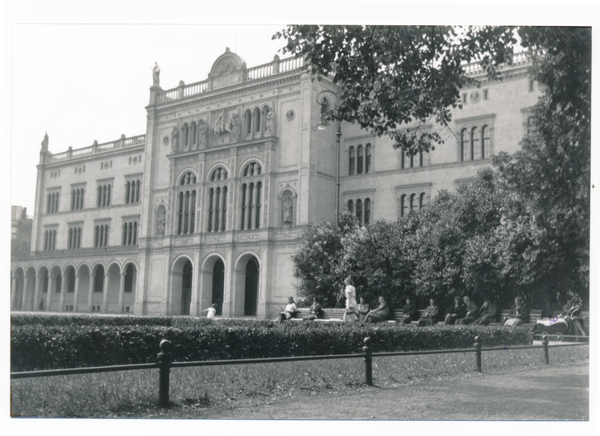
[81,71]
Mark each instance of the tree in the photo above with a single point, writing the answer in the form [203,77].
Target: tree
[318,262]
[394,75]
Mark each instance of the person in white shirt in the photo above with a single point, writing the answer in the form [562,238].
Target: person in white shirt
[289,311]
[212,310]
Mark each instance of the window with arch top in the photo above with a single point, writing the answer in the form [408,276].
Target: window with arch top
[186,204]
[218,193]
[251,197]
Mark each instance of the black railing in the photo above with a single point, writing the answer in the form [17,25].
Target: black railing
[165,363]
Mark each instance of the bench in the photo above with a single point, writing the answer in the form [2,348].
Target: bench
[328,315]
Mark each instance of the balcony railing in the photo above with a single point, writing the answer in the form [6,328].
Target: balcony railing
[98,148]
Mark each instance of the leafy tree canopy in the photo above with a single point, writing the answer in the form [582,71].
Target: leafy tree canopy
[390,76]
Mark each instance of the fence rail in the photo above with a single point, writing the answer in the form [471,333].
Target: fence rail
[165,364]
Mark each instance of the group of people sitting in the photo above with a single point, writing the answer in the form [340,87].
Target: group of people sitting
[463,311]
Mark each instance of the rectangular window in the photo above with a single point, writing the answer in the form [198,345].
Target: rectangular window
[485,94]
[104,195]
[132,191]
[130,233]
[101,235]
[74,238]
[77,195]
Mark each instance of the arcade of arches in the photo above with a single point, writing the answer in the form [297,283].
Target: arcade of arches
[112,287]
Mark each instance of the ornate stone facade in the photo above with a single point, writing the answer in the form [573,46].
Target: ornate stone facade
[209,205]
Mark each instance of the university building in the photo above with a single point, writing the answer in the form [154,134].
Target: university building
[209,204]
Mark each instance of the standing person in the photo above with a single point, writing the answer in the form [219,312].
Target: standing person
[289,311]
[350,315]
[456,311]
[212,310]
[380,313]
[519,313]
[472,312]
[362,309]
[487,312]
[350,292]
[410,312]
[430,316]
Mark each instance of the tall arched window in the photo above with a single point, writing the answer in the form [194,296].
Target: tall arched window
[367,158]
[421,159]
[193,133]
[185,135]
[412,202]
[217,201]
[485,141]
[256,120]
[367,219]
[351,161]
[474,142]
[359,159]
[350,206]
[464,144]
[247,122]
[251,197]
[186,204]
[421,200]
[359,211]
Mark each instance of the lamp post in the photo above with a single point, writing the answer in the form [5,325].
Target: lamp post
[323,101]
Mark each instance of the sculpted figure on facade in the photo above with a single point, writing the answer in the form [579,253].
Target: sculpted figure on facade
[45,142]
[202,133]
[220,125]
[174,139]
[236,127]
[156,75]
[161,217]
[226,68]
[270,122]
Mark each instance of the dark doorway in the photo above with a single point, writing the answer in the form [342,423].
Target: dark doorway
[251,289]
[218,285]
[186,288]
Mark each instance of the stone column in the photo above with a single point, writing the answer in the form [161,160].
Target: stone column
[24,297]
[76,294]
[36,293]
[51,290]
[63,293]
[104,307]
[121,292]
[13,293]
[194,306]
[90,293]
[223,221]
[256,210]
[229,286]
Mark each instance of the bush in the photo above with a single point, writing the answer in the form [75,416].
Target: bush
[58,342]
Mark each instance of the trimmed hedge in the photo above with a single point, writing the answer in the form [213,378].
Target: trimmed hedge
[67,345]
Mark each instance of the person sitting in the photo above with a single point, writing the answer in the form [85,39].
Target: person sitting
[572,313]
[350,315]
[380,313]
[487,313]
[410,312]
[430,316]
[362,309]
[289,312]
[315,310]
[519,313]
[456,311]
[472,312]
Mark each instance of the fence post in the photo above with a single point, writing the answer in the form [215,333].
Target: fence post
[477,346]
[164,364]
[545,341]
[368,361]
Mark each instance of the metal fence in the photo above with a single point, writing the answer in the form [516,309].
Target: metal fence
[165,363]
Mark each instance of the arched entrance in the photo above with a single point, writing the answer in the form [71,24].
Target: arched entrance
[186,288]
[218,285]
[129,287]
[98,288]
[181,287]
[251,288]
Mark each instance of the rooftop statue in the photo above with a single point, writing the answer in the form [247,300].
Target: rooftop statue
[156,75]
